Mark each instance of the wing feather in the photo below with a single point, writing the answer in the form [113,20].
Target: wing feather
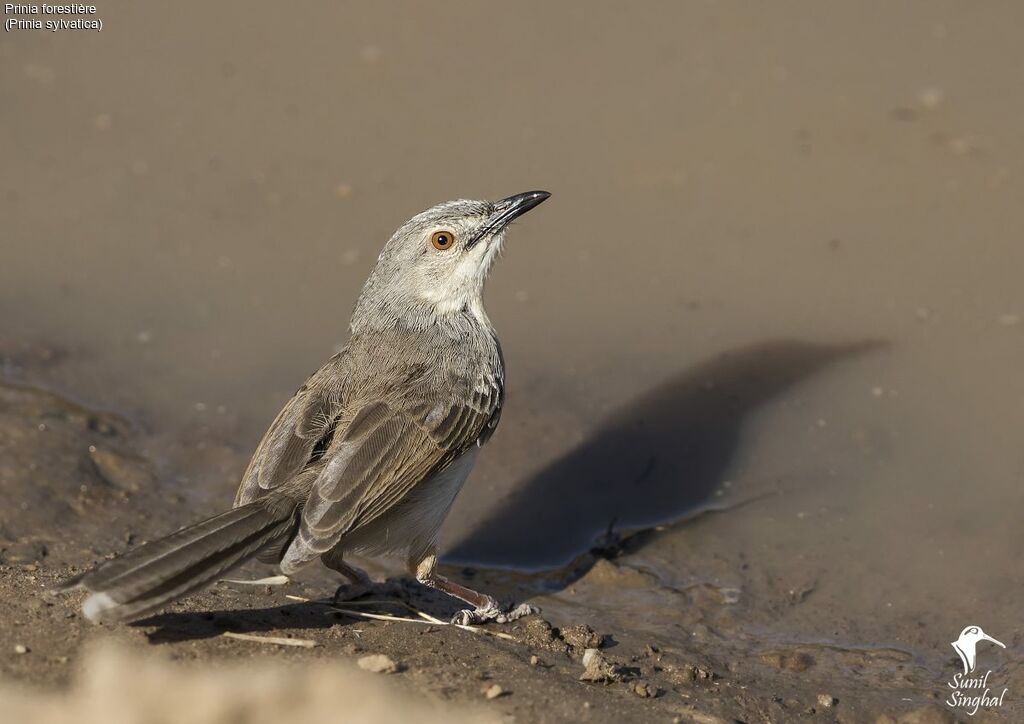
[383,454]
[288,446]
[364,448]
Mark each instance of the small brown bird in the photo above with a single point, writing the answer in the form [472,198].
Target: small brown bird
[370,453]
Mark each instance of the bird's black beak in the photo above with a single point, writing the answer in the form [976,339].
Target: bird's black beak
[514,206]
[505,211]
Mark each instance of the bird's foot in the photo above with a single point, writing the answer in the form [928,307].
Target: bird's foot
[492,612]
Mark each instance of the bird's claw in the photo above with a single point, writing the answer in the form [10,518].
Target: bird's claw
[474,616]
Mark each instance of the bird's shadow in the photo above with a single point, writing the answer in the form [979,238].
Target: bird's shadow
[653,461]
[392,598]
[174,627]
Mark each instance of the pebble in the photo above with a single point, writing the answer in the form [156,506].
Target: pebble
[494,691]
[644,690]
[21,649]
[378,664]
[827,701]
[582,636]
[534,660]
[599,669]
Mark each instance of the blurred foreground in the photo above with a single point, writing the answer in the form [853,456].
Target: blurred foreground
[114,686]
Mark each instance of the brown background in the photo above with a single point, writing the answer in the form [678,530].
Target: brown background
[191,199]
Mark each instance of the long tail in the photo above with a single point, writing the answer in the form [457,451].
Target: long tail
[156,573]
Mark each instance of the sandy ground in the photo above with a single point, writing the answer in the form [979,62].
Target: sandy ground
[767,331]
[607,648]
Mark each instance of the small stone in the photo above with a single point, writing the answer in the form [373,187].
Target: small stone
[378,664]
[494,691]
[539,634]
[343,191]
[534,660]
[827,701]
[600,670]
[21,649]
[644,690]
[581,636]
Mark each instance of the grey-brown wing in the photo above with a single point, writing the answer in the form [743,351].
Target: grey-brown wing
[381,456]
[299,432]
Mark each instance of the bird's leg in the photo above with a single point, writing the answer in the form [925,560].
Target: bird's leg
[359,583]
[485,608]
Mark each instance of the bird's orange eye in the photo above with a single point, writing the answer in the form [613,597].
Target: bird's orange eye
[442,240]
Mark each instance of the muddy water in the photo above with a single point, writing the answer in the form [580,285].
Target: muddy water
[778,278]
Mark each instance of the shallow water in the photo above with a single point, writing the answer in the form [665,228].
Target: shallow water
[779,274]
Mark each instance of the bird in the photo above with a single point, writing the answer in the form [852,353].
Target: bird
[965,646]
[370,453]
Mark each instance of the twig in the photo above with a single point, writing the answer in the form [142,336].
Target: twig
[421,614]
[377,616]
[268,581]
[277,640]
[427,618]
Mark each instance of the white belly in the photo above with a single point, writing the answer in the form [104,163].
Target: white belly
[414,523]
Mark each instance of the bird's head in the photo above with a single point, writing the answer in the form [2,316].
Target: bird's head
[437,261]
